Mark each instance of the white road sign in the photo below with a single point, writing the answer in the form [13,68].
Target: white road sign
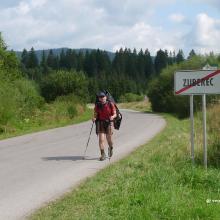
[197,82]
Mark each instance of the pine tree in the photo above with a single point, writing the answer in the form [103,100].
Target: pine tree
[32,61]
[180,56]
[191,54]
[103,62]
[51,60]
[62,59]
[149,66]
[43,63]
[70,59]
[80,61]
[119,62]
[130,61]
[24,57]
[141,64]
[161,61]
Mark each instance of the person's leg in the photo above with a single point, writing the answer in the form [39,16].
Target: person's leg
[101,145]
[109,140]
[101,141]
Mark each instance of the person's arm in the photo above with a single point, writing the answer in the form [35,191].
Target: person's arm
[114,114]
[95,114]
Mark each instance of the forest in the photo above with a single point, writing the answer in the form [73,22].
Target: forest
[128,71]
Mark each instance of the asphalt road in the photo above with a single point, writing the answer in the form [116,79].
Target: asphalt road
[39,167]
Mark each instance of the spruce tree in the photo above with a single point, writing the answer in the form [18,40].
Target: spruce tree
[43,63]
[51,60]
[141,64]
[149,66]
[80,61]
[191,54]
[180,56]
[24,57]
[32,61]
[161,61]
[62,59]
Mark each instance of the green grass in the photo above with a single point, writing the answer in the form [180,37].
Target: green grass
[144,106]
[157,181]
[42,120]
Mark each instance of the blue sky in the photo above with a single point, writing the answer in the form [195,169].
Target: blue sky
[109,25]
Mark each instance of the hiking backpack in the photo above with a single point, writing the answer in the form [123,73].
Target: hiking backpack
[110,99]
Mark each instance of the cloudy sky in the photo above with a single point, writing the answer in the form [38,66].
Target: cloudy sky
[111,24]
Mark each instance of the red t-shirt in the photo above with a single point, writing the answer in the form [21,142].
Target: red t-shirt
[105,111]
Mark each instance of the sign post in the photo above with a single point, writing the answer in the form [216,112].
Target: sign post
[192,129]
[204,130]
[200,82]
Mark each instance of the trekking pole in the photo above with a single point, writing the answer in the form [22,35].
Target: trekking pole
[88,141]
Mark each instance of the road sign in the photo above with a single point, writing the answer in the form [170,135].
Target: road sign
[197,82]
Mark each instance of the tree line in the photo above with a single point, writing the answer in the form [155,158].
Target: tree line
[128,71]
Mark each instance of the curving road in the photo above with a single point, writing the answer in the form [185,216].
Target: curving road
[37,168]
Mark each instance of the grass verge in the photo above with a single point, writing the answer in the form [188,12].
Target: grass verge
[144,106]
[157,181]
[49,117]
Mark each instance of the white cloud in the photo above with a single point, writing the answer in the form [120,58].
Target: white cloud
[23,8]
[214,3]
[178,18]
[108,25]
[144,36]
[205,34]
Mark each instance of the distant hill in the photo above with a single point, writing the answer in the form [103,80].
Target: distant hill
[57,51]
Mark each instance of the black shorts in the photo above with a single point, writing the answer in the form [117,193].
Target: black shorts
[105,127]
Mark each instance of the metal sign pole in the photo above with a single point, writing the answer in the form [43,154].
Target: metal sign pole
[204,129]
[192,129]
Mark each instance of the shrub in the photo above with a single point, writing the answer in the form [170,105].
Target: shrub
[9,105]
[69,105]
[131,97]
[72,111]
[29,98]
[62,83]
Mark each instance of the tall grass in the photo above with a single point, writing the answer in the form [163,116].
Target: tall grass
[131,97]
[32,115]
[213,134]
[144,106]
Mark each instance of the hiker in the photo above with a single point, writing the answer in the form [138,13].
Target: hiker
[104,114]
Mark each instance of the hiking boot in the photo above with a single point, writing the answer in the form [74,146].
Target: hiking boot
[110,151]
[103,156]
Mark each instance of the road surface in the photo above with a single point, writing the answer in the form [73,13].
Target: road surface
[39,167]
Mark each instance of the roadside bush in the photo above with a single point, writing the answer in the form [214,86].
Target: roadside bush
[72,111]
[9,105]
[29,98]
[62,83]
[18,99]
[131,97]
[69,105]
[18,96]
